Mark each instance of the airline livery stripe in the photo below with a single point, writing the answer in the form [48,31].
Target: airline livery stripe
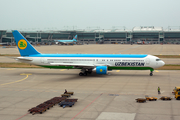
[90,55]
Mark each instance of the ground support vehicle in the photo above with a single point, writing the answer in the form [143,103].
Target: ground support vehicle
[176,89]
[140,100]
[165,98]
[71,93]
[65,95]
[176,92]
[68,102]
[150,98]
[64,104]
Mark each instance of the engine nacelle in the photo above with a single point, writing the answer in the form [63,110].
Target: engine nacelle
[101,70]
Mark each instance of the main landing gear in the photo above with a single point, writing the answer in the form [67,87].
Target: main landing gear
[151,73]
[85,72]
[82,74]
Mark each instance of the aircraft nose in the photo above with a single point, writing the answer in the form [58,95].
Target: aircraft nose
[163,63]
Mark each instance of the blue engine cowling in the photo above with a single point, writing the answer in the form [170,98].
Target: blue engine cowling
[101,70]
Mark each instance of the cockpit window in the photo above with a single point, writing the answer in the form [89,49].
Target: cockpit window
[158,59]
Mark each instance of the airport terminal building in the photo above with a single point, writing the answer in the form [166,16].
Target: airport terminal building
[145,34]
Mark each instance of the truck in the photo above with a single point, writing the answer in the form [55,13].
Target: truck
[176,92]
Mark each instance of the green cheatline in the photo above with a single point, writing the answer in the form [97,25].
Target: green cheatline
[109,68]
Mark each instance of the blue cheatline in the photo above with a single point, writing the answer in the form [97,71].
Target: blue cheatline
[91,55]
[25,48]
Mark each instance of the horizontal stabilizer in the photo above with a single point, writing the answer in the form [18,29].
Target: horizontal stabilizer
[24,59]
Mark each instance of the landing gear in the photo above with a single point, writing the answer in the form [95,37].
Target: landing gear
[81,74]
[85,72]
[151,73]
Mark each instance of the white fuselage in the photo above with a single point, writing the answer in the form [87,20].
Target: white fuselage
[148,61]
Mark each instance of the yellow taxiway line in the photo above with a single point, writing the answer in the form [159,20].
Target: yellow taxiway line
[18,80]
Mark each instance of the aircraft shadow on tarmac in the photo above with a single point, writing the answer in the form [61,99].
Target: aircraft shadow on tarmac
[72,76]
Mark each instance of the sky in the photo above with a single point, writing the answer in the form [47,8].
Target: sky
[87,14]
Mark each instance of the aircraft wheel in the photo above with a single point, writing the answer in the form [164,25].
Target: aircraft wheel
[151,74]
[85,74]
[81,74]
[89,72]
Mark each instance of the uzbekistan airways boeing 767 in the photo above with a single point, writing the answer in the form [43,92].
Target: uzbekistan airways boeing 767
[100,63]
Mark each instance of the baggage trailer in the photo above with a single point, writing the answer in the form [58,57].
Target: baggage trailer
[71,93]
[46,105]
[140,100]
[55,100]
[65,95]
[37,110]
[165,98]
[150,98]
[70,100]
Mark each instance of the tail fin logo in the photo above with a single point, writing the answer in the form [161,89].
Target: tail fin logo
[22,44]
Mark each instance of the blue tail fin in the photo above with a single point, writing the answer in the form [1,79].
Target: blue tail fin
[25,48]
[74,39]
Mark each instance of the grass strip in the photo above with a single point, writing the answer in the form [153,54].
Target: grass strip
[18,65]
[168,56]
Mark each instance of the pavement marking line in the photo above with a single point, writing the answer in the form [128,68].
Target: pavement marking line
[87,106]
[62,70]
[117,70]
[156,71]
[22,116]
[18,80]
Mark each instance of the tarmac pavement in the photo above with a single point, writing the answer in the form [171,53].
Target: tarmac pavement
[100,97]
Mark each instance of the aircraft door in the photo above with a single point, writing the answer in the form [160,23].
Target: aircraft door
[147,61]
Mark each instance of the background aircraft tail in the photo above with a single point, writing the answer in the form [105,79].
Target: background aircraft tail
[25,48]
[74,39]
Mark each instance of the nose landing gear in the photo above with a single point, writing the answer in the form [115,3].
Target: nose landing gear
[151,73]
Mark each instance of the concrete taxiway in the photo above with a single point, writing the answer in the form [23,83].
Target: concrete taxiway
[100,97]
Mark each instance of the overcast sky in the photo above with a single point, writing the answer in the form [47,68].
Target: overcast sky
[58,14]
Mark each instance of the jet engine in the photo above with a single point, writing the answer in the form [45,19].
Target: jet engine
[100,70]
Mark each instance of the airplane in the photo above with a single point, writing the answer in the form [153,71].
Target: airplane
[88,63]
[62,42]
